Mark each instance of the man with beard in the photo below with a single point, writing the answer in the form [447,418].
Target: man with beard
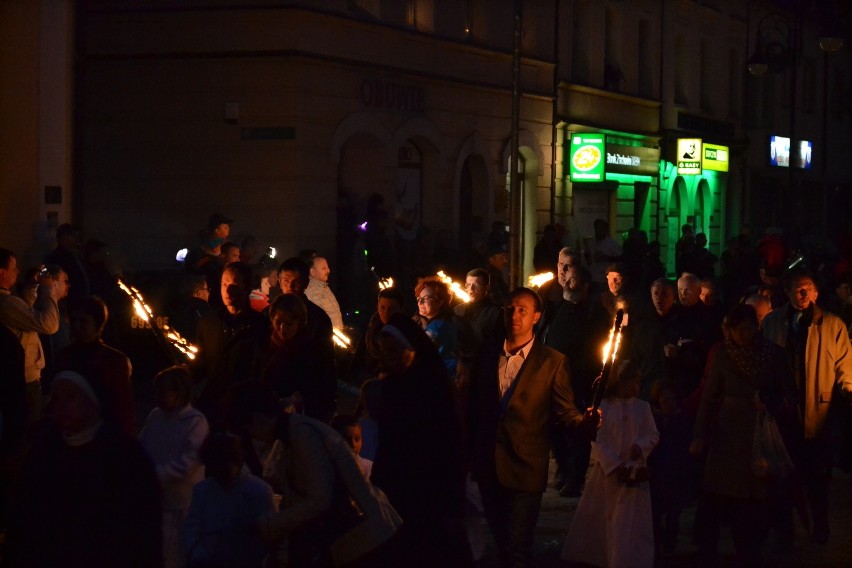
[578,329]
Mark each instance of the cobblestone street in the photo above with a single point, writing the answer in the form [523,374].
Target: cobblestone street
[557,512]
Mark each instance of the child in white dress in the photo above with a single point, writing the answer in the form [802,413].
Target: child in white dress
[172,435]
[613,525]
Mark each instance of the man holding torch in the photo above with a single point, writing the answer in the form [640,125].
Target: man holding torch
[519,388]
[579,326]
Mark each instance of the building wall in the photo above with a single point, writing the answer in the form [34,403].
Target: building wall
[19,39]
[159,150]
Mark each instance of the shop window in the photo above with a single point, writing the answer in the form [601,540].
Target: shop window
[371,7]
[613,75]
[581,43]
[421,15]
[681,71]
[646,60]
[706,78]
[640,202]
[809,82]
[735,83]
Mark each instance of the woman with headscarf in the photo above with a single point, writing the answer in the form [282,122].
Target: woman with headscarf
[419,460]
[88,494]
[748,375]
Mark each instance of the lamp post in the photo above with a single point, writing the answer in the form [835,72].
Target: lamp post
[778,46]
[515,196]
[830,41]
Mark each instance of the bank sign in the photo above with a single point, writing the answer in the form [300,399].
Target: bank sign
[587,161]
[689,156]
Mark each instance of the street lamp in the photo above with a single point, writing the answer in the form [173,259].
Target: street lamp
[776,49]
[778,44]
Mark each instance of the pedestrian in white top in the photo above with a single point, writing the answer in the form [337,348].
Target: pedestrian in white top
[172,436]
[613,525]
[319,293]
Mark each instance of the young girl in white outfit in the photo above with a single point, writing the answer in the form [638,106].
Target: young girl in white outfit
[613,526]
[173,434]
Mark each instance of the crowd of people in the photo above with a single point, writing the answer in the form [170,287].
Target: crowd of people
[245,459]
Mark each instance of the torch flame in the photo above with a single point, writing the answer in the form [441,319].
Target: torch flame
[538,280]
[340,339]
[455,287]
[145,313]
[617,345]
[607,350]
[385,283]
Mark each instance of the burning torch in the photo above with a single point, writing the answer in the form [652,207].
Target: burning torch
[455,287]
[610,352]
[384,282]
[340,339]
[539,280]
[169,338]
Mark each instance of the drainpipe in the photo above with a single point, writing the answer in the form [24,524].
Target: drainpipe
[515,197]
[555,118]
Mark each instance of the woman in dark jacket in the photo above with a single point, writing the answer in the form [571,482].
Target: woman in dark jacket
[294,364]
[747,376]
[419,462]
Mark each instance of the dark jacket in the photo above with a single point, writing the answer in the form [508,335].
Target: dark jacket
[95,505]
[514,442]
[297,366]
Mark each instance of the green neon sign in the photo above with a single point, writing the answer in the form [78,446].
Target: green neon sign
[588,157]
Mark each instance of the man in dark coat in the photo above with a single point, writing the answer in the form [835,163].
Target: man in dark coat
[228,341]
[578,329]
[519,387]
[293,278]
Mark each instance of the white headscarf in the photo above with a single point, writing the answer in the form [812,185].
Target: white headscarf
[80,382]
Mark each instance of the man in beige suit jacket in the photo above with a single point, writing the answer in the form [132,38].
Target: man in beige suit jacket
[821,356]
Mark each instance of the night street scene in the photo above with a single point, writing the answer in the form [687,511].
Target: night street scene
[425,283]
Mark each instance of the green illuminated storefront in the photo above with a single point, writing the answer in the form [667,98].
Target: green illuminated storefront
[692,190]
[613,176]
[621,177]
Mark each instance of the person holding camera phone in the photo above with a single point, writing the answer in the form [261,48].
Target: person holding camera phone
[26,322]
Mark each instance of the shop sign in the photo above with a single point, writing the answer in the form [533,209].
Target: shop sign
[689,156]
[587,161]
[636,160]
[714,157]
[779,151]
[802,156]
[387,95]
